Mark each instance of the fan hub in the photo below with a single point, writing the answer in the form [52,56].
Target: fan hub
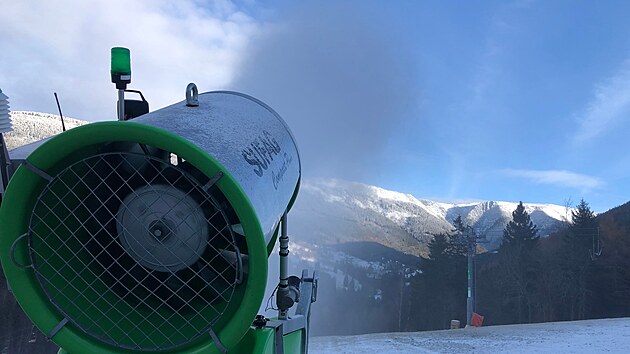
[162,228]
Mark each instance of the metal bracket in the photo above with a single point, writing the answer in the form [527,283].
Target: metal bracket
[12,253]
[37,171]
[217,341]
[300,321]
[57,328]
[213,180]
[277,326]
[144,148]
[239,264]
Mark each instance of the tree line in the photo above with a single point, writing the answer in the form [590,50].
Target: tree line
[578,273]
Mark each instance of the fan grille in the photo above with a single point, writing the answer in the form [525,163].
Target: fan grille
[135,251]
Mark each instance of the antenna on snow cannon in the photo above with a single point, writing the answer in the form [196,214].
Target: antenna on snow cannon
[152,235]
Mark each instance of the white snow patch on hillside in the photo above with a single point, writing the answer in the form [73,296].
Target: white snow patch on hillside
[396,196]
[438,209]
[592,336]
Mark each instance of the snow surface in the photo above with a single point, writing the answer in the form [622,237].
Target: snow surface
[592,336]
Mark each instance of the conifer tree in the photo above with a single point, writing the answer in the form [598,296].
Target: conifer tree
[582,230]
[519,258]
[520,233]
[577,263]
[457,251]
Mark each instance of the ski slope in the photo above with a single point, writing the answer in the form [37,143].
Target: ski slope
[592,336]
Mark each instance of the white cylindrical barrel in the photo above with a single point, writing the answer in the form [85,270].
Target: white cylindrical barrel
[249,139]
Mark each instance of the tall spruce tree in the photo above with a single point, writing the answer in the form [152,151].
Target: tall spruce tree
[577,261]
[519,260]
[582,231]
[520,232]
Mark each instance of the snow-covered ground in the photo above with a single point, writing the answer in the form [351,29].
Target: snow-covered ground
[592,336]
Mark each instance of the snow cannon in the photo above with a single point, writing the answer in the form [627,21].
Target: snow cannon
[152,233]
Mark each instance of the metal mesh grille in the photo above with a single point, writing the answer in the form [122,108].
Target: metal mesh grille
[132,250]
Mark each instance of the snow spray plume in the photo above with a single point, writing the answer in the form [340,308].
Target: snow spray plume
[336,74]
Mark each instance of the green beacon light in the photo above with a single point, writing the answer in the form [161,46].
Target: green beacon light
[121,75]
[121,67]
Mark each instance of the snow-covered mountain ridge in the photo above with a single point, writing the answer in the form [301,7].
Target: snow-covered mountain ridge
[380,214]
[472,212]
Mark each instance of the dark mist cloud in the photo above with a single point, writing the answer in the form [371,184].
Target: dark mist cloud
[340,78]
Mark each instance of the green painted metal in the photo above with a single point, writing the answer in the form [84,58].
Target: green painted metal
[262,341]
[75,144]
[293,342]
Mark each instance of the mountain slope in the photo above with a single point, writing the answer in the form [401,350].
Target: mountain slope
[331,211]
[334,211]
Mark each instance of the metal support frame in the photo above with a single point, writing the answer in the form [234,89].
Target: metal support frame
[291,290]
[121,104]
[472,239]
[302,316]
[470,300]
[283,286]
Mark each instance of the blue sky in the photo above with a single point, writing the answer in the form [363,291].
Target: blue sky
[521,100]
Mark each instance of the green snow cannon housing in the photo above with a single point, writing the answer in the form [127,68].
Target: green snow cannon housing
[151,234]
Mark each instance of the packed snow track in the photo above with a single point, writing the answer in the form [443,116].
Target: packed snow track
[592,336]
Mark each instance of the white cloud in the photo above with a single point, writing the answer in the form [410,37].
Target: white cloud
[556,177]
[64,45]
[610,104]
